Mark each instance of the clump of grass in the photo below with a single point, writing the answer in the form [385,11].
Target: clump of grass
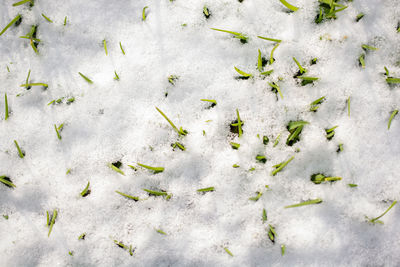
[34,42]
[279,167]
[21,153]
[6,107]
[243,38]
[85,192]
[206,12]
[236,125]
[85,78]
[271,233]
[304,203]
[295,128]
[330,133]
[153,169]
[128,196]
[51,220]
[180,131]
[314,106]
[394,113]
[319,178]
[328,10]
[47,18]
[17,20]
[207,189]
[115,166]
[144,13]
[125,247]
[7,181]
[376,220]
[291,7]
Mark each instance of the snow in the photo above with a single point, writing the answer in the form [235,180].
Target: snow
[117,121]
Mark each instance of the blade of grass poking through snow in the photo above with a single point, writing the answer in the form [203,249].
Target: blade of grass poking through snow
[65,21]
[268,72]
[276,87]
[271,59]
[280,166]
[243,38]
[48,19]
[6,181]
[244,74]
[86,78]
[22,2]
[264,215]
[144,13]
[82,236]
[115,168]
[240,131]
[35,84]
[359,16]
[116,76]
[276,142]
[361,60]
[301,69]
[212,101]
[271,233]
[234,145]
[392,80]
[394,113]
[155,193]
[207,189]
[291,7]
[128,196]
[34,46]
[309,202]
[27,80]
[20,153]
[180,131]
[374,220]
[86,191]
[257,197]
[122,49]
[53,220]
[154,169]
[105,46]
[6,106]
[367,47]
[10,24]
[228,251]
[270,39]
[314,106]
[348,106]
[48,218]
[259,61]
[161,232]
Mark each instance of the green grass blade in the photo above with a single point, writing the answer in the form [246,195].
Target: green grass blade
[306,78]
[207,189]
[144,13]
[271,59]
[115,169]
[368,47]
[154,169]
[65,21]
[392,80]
[11,23]
[155,193]
[234,33]
[85,191]
[244,74]
[6,106]
[280,166]
[228,251]
[240,132]
[386,211]
[58,133]
[53,220]
[6,181]
[86,78]
[128,196]
[47,18]
[209,100]
[180,132]
[35,84]
[289,6]
[122,49]
[22,2]
[21,155]
[270,39]
[273,85]
[259,61]
[105,46]
[309,202]
[301,69]
[394,113]
[348,106]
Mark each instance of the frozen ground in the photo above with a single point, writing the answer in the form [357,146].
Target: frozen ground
[117,121]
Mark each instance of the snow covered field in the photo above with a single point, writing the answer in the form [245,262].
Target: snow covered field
[113,120]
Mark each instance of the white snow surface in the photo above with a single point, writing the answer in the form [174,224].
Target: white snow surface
[117,121]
